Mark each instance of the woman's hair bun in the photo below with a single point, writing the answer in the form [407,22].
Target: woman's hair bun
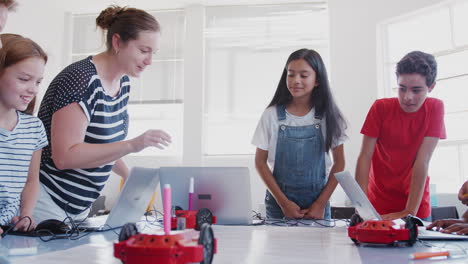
[108,16]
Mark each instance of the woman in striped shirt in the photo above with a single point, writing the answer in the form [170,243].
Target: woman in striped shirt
[85,115]
[22,136]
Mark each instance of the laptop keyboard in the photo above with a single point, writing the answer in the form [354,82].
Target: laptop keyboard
[423,233]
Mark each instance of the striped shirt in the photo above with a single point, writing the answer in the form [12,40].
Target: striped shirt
[74,190]
[16,149]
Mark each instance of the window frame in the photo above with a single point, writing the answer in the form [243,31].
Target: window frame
[386,90]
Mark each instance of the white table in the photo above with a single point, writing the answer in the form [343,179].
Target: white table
[241,244]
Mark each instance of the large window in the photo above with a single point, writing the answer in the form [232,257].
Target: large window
[441,31]
[156,98]
[246,48]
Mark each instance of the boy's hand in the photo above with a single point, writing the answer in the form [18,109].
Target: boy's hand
[396,215]
[443,223]
[459,229]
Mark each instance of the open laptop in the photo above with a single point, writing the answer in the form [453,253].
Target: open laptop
[225,191]
[357,196]
[367,211]
[131,203]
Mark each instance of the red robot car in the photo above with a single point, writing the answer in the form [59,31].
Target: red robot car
[188,246]
[193,219]
[383,231]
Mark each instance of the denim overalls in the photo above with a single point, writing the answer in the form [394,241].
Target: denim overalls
[299,166]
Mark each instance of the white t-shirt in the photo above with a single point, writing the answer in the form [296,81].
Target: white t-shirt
[266,134]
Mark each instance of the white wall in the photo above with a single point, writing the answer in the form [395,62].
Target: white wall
[353,59]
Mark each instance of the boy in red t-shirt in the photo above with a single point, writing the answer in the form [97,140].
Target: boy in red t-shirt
[400,135]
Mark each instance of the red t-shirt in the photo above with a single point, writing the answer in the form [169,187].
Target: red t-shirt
[399,136]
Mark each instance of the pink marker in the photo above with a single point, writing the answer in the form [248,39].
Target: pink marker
[190,194]
[167,200]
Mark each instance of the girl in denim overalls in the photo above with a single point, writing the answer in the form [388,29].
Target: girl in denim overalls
[294,135]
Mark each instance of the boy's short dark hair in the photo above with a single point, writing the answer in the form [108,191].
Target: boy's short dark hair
[418,62]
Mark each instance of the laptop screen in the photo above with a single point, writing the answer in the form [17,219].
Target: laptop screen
[225,191]
[357,196]
[134,197]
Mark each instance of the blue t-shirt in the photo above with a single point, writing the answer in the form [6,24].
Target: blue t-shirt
[74,190]
[16,149]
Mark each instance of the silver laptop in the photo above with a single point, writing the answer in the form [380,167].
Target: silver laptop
[357,196]
[225,191]
[368,212]
[132,202]
[436,235]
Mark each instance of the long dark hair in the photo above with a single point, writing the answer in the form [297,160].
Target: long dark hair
[321,98]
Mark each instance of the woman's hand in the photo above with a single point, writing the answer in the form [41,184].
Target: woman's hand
[151,138]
